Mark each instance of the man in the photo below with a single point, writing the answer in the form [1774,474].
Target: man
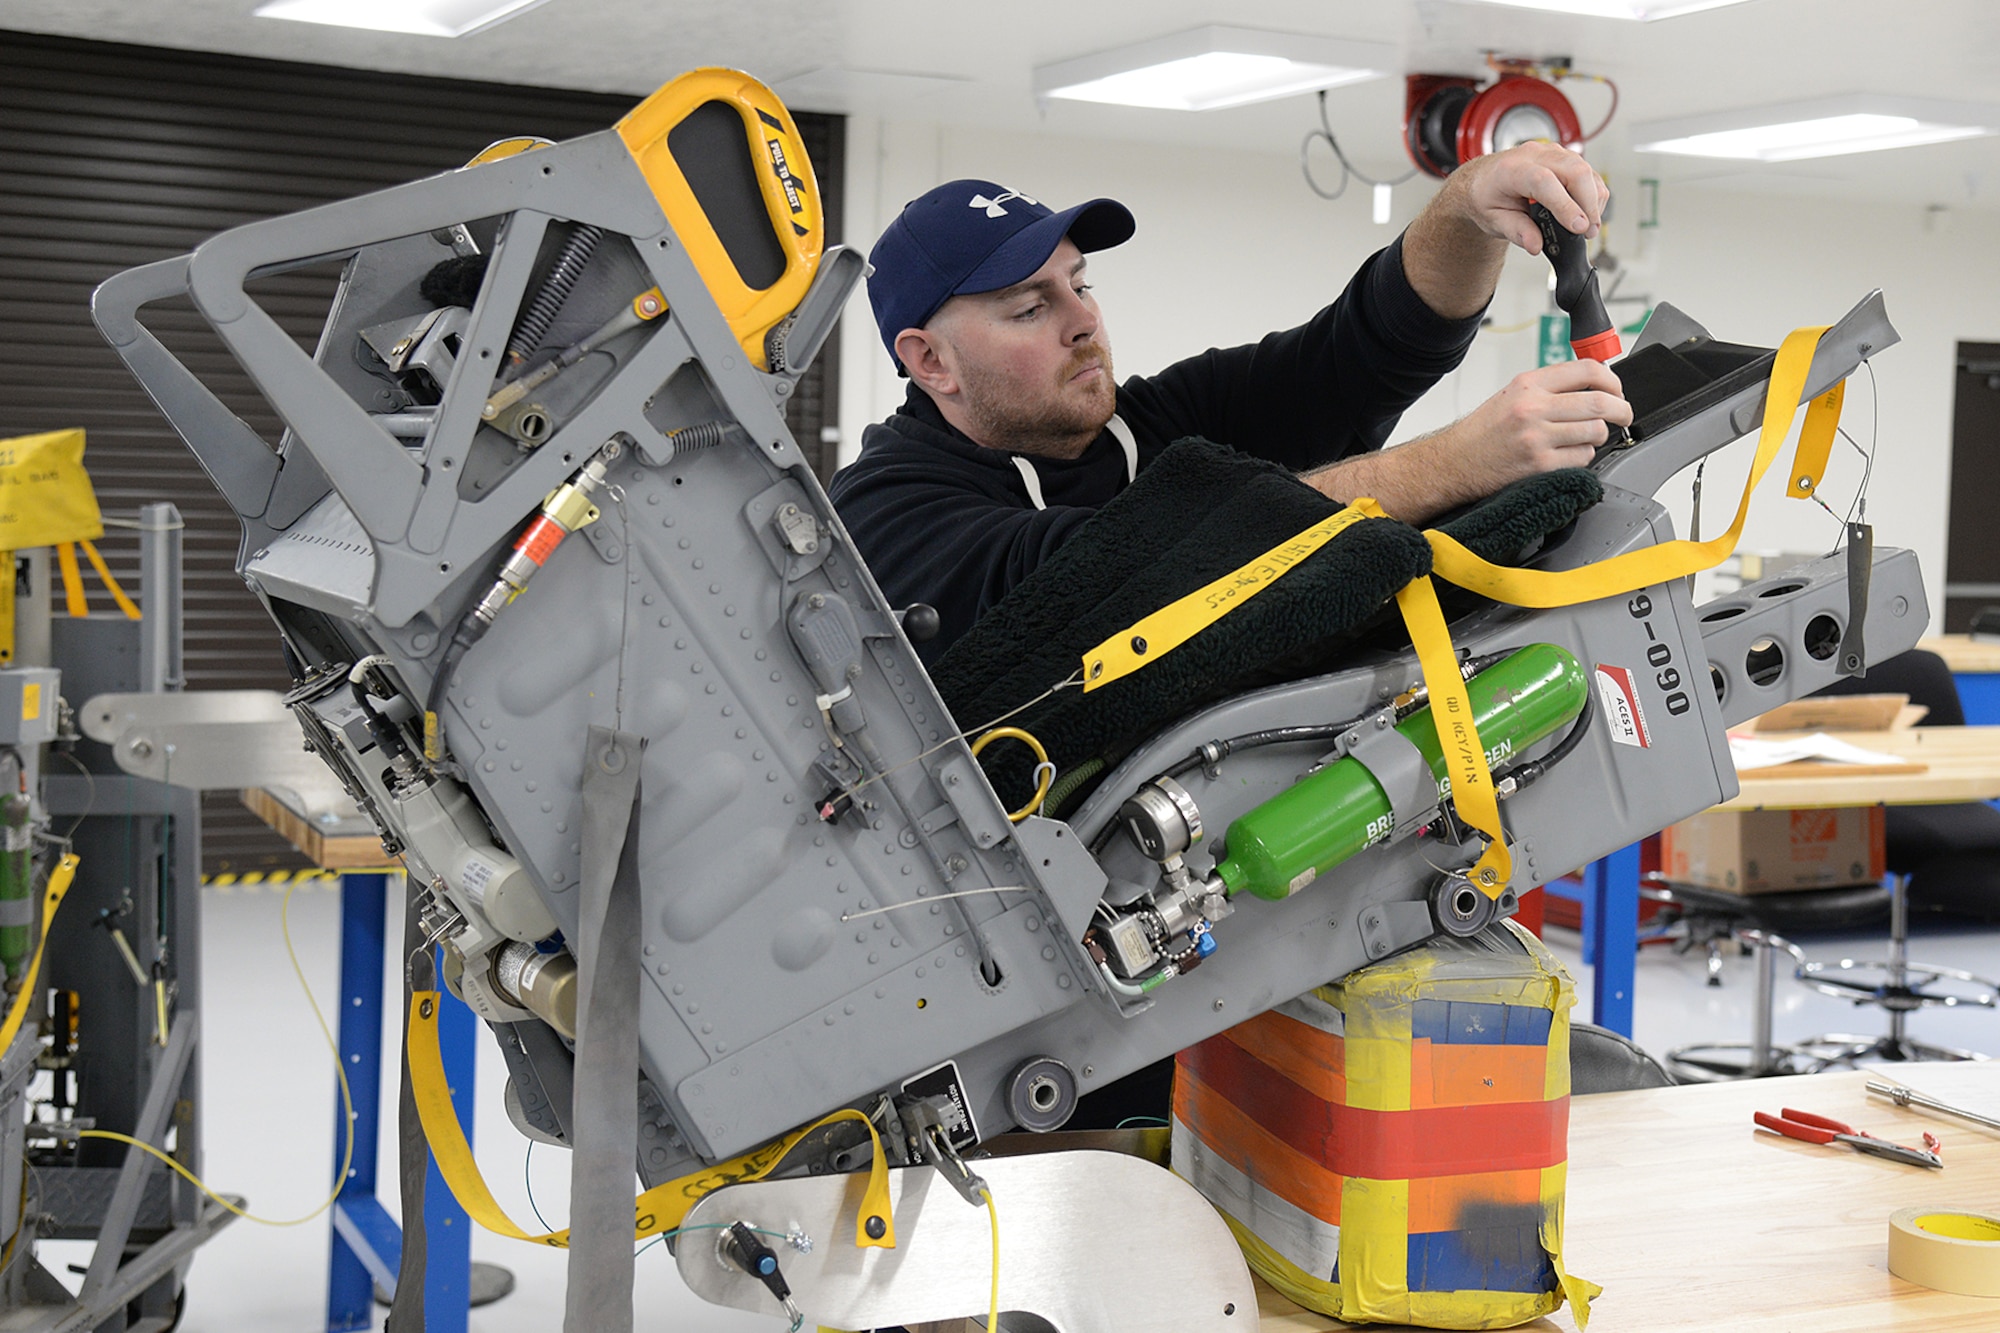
[1014,432]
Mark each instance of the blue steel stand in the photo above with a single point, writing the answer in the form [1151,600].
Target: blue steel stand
[367,1243]
[1610,900]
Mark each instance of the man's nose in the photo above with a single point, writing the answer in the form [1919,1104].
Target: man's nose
[1080,319]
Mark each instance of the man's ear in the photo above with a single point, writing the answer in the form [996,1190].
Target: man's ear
[920,352]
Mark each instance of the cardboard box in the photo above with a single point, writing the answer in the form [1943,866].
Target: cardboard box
[1775,851]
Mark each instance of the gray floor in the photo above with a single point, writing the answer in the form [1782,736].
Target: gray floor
[270,1110]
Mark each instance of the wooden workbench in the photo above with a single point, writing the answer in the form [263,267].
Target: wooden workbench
[1963,654]
[340,850]
[1691,1220]
[1960,764]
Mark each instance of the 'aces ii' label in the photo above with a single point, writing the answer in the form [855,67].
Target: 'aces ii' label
[1620,700]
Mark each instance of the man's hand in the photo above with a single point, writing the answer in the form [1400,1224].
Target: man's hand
[1493,193]
[1543,420]
[1452,253]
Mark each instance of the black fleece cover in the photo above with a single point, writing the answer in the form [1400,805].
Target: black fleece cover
[1197,513]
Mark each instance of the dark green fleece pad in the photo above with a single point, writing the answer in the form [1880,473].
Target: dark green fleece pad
[1200,511]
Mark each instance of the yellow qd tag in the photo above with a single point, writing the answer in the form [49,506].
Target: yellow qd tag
[1174,624]
[1815,443]
[661,1208]
[1458,736]
[31,701]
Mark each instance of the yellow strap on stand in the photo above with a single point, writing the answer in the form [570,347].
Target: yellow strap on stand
[52,897]
[72,580]
[661,1208]
[6,608]
[104,572]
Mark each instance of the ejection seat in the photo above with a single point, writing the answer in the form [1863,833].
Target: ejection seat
[573,620]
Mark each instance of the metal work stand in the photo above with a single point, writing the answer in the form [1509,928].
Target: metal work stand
[1899,986]
[367,1243]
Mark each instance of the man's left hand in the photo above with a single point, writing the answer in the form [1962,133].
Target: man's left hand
[1453,252]
[1493,193]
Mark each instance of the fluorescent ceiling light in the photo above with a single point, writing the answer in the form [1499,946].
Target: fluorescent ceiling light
[1207,68]
[835,88]
[1645,10]
[1825,127]
[420,18]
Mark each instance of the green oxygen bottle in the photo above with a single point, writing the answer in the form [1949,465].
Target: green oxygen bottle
[16,880]
[1281,846]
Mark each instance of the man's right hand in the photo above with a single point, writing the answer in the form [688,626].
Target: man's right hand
[1544,419]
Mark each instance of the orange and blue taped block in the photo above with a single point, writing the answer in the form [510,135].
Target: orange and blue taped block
[1392,1148]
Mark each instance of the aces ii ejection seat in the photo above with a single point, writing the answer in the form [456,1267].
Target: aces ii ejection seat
[573,620]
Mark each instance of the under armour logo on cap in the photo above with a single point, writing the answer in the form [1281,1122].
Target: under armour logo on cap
[970,236]
[992,206]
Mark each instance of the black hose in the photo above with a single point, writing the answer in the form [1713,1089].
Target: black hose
[470,630]
[549,298]
[1528,773]
[1214,752]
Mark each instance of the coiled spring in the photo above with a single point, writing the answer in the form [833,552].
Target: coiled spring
[555,290]
[704,436]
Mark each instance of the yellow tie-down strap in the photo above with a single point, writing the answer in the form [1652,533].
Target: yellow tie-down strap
[1472,794]
[1173,625]
[661,1208]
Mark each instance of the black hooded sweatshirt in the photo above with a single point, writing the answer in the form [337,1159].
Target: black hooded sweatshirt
[945,521]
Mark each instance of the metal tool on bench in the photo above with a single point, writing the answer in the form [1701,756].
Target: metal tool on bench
[1903,1096]
[915,948]
[1810,1128]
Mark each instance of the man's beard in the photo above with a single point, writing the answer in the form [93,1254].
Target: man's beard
[1060,425]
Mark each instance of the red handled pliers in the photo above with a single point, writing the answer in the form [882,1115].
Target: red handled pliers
[1812,1128]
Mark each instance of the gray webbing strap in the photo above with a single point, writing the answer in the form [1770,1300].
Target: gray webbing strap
[413,1153]
[605,1115]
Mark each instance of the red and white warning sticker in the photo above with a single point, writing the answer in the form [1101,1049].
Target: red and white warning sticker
[1622,713]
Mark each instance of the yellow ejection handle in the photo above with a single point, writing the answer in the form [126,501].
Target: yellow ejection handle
[695,116]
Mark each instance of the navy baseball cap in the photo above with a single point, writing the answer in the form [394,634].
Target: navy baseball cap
[973,236]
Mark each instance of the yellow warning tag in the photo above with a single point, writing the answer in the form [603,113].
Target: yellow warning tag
[31,701]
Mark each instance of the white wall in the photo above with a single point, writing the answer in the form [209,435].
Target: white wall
[1232,245]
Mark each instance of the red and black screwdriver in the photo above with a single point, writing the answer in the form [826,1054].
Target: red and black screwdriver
[1591,334]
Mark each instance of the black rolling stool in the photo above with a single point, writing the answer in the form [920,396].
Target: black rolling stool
[1713,919]
[1941,858]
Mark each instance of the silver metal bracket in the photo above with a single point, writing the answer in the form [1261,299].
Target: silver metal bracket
[1398,766]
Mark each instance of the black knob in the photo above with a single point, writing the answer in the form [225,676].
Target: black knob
[919,621]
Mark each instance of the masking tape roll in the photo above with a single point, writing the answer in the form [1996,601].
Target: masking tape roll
[1946,1251]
